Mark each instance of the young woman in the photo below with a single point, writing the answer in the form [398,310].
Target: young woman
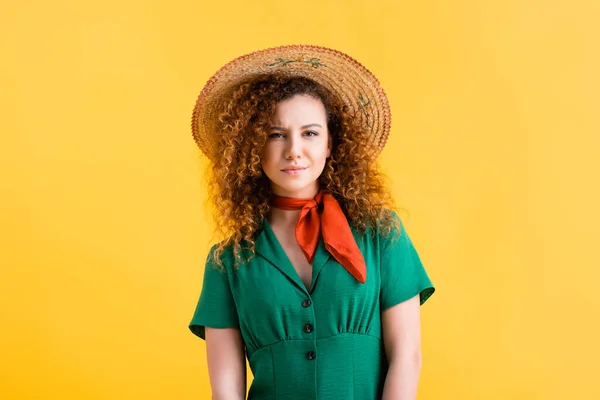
[316,282]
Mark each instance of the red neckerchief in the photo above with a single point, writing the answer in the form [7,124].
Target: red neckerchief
[334,226]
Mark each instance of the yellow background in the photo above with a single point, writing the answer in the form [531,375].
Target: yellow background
[493,151]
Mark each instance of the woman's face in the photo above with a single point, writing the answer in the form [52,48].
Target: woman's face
[297,147]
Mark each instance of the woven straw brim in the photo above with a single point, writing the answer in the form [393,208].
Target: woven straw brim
[355,85]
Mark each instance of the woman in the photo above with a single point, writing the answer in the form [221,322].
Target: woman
[317,282]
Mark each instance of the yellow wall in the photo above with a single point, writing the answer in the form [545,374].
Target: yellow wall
[494,147]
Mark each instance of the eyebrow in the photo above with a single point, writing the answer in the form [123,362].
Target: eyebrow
[303,127]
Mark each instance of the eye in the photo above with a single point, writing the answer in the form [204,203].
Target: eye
[312,133]
[275,136]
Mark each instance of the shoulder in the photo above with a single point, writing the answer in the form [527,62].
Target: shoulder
[221,255]
[380,235]
[388,226]
[227,254]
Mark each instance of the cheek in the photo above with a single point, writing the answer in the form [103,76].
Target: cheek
[325,153]
[268,156]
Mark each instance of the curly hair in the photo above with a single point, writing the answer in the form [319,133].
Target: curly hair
[240,190]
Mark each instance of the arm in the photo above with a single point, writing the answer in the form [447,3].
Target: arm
[226,363]
[401,328]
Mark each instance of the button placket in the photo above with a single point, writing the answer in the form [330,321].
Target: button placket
[309,328]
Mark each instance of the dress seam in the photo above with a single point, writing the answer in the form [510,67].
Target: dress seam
[273,369]
[319,338]
[353,369]
[351,333]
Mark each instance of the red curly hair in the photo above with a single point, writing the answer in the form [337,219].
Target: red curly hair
[240,190]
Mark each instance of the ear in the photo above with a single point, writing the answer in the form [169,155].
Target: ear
[329,142]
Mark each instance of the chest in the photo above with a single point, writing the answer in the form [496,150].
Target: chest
[274,302]
[296,256]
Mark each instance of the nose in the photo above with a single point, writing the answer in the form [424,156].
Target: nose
[293,149]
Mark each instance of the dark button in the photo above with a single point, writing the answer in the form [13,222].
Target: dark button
[308,328]
[311,355]
[306,303]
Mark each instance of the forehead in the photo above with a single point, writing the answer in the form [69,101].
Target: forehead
[300,108]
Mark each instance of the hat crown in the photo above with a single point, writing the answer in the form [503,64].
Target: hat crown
[354,84]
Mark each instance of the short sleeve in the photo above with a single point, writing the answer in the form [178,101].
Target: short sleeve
[402,273]
[216,307]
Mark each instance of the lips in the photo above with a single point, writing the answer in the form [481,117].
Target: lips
[294,171]
[290,169]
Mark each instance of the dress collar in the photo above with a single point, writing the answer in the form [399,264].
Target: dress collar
[268,247]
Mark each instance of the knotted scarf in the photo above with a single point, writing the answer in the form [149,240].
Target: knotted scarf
[332,224]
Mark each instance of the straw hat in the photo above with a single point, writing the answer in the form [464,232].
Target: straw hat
[356,86]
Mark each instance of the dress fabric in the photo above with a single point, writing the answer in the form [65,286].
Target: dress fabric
[325,343]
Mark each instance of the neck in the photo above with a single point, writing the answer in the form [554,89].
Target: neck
[280,217]
[286,213]
[305,193]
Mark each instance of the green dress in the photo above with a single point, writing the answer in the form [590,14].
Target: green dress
[325,343]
